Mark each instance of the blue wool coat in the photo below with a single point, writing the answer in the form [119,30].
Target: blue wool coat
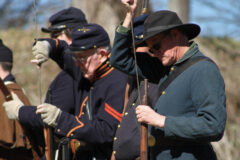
[106,106]
[194,103]
[107,103]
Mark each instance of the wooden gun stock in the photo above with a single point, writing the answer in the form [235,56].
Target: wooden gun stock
[47,142]
[47,133]
[144,127]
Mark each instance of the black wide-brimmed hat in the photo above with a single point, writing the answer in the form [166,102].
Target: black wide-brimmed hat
[89,36]
[6,54]
[165,20]
[66,18]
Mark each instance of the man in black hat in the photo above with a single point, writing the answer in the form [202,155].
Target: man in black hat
[13,140]
[99,91]
[191,110]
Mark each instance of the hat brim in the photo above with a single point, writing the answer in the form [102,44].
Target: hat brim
[46,30]
[191,31]
[81,49]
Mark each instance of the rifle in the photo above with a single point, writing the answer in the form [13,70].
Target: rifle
[36,150]
[5,91]
[48,135]
[144,127]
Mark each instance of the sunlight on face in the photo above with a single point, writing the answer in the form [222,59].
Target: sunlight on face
[162,47]
[88,61]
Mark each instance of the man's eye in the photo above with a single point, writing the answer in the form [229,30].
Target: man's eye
[150,50]
[156,46]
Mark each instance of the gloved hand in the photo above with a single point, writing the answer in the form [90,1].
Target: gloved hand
[49,113]
[12,107]
[41,52]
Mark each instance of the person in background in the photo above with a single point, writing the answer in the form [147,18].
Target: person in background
[61,90]
[61,25]
[126,144]
[190,112]
[14,142]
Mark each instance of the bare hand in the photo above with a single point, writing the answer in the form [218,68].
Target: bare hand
[131,5]
[146,114]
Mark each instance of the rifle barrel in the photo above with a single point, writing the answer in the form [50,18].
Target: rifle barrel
[144,127]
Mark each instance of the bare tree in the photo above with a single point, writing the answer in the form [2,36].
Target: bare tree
[223,13]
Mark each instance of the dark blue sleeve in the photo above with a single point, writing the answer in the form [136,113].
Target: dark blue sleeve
[28,117]
[61,92]
[122,58]
[61,54]
[107,114]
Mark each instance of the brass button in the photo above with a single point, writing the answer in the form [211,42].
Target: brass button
[119,126]
[71,134]
[172,68]
[151,141]
[58,130]
[133,104]
[114,152]
[76,144]
[126,113]
[82,113]
[84,104]
[163,92]
[115,138]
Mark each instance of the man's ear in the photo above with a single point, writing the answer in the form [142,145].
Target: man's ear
[102,51]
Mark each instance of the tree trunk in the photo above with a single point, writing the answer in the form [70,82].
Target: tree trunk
[104,13]
[107,13]
[181,7]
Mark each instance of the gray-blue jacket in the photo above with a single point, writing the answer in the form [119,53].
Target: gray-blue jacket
[194,103]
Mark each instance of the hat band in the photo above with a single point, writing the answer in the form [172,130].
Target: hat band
[157,28]
[82,48]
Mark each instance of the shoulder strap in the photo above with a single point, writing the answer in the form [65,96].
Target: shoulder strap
[179,69]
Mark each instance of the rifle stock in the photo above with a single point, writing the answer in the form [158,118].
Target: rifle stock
[144,127]
[47,134]
[47,142]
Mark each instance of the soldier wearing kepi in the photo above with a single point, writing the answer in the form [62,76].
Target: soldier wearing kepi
[61,90]
[126,144]
[13,141]
[61,25]
[100,91]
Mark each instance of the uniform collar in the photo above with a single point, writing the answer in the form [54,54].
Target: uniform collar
[193,49]
[104,69]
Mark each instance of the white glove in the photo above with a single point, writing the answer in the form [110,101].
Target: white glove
[12,107]
[41,52]
[49,113]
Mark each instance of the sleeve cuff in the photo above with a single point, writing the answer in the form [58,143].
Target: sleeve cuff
[122,29]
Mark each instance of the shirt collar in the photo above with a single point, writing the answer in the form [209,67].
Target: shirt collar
[9,77]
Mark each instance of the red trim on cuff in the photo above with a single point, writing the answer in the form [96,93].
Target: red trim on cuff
[77,127]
